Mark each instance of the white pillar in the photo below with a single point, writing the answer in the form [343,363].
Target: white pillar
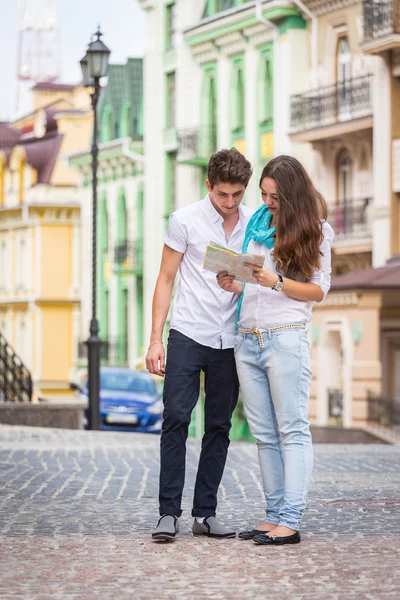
[381,160]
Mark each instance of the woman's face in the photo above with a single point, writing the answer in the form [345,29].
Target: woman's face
[269,195]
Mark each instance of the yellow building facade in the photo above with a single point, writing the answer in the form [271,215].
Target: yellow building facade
[40,235]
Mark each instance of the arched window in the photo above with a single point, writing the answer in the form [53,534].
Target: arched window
[106,133]
[125,120]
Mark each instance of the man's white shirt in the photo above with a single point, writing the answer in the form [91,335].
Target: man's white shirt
[202,310]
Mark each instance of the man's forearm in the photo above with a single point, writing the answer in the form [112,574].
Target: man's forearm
[161,303]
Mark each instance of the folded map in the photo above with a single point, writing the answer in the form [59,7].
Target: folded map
[218,259]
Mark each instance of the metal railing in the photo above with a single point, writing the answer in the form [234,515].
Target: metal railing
[114,351]
[129,255]
[383,411]
[335,404]
[15,379]
[344,101]
[381,18]
[351,218]
[197,144]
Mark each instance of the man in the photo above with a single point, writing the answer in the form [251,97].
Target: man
[201,338]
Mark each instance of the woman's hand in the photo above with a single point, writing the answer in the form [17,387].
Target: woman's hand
[228,283]
[264,277]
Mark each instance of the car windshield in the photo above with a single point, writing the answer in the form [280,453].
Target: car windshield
[126,382]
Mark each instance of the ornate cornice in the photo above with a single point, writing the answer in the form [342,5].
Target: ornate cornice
[323,7]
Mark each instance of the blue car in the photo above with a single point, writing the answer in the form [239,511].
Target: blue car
[129,401]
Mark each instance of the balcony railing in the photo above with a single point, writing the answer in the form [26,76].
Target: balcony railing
[383,411]
[128,256]
[196,145]
[381,18]
[344,101]
[351,218]
[114,351]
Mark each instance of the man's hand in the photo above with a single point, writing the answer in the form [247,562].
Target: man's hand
[228,283]
[264,277]
[155,359]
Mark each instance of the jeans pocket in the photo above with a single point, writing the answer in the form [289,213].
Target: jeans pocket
[287,340]
[238,343]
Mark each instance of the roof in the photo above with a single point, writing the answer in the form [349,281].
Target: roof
[381,278]
[124,84]
[42,154]
[9,137]
[51,86]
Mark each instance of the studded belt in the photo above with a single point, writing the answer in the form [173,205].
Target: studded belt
[258,332]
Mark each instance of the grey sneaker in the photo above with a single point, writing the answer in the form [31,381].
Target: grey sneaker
[210,527]
[167,528]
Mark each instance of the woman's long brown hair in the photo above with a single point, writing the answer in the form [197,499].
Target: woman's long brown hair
[301,212]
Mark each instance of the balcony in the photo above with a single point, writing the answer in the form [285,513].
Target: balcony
[332,110]
[196,145]
[113,352]
[351,220]
[381,26]
[128,257]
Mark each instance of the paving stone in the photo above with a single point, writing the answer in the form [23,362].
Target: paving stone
[76,509]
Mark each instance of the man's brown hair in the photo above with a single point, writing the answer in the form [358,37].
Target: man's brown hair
[229,166]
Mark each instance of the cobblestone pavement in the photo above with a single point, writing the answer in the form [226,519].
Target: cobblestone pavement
[76,509]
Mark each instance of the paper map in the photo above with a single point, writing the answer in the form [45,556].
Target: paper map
[218,258]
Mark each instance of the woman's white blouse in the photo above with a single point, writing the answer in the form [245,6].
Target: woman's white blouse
[264,307]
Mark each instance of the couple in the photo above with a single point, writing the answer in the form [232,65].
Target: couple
[255,335]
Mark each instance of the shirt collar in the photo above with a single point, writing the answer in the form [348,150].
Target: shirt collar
[214,214]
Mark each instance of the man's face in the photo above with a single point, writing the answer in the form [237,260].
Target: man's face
[226,197]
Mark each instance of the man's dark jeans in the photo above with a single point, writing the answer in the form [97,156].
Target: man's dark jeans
[185,361]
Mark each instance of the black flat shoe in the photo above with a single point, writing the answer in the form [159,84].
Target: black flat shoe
[273,540]
[250,533]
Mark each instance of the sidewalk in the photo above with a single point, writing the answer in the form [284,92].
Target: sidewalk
[76,509]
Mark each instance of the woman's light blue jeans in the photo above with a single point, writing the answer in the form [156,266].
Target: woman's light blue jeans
[275,382]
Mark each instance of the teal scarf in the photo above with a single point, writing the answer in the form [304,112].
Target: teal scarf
[259,230]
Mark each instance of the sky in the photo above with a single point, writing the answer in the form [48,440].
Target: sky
[123,23]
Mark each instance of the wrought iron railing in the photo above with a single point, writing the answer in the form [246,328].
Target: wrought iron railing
[197,144]
[381,18]
[15,379]
[344,101]
[383,411]
[351,218]
[335,404]
[129,255]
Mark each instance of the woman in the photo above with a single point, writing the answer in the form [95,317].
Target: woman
[272,350]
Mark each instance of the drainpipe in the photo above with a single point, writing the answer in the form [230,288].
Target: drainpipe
[314,40]
[261,18]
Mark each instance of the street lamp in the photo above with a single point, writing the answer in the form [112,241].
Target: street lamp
[94,65]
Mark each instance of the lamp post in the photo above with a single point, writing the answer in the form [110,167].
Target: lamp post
[94,65]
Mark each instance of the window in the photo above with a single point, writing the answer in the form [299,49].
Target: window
[208,134]
[344,79]
[215,6]
[265,104]
[238,103]
[343,60]
[170,116]
[170,196]
[107,124]
[3,265]
[170,36]
[21,264]
[125,120]
[344,175]
[2,178]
